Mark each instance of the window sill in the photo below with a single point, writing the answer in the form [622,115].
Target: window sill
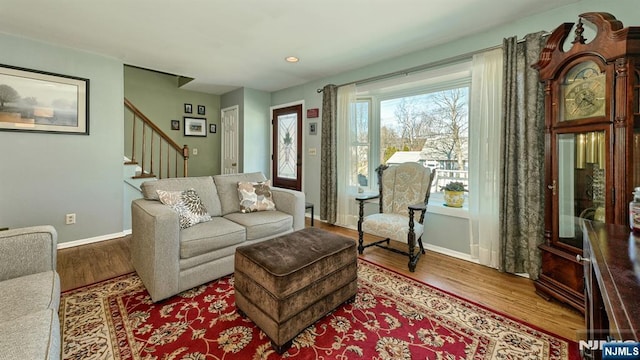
[441,209]
[437,206]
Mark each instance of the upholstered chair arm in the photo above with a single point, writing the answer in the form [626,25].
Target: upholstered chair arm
[363,198]
[26,251]
[422,207]
[292,203]
[155,247]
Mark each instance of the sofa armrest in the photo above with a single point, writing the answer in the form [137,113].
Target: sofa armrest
[290,202]
[27,251]
[155,247]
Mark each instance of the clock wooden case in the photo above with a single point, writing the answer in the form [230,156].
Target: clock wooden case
[592,142]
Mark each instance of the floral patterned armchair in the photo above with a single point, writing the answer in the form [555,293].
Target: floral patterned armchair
[403,197]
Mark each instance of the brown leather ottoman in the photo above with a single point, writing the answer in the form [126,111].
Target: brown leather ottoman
[287,283]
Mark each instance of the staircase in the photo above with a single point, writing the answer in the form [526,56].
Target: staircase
[152,149]
[150,154]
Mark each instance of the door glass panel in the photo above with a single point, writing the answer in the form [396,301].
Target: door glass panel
[287,146]
[581,182]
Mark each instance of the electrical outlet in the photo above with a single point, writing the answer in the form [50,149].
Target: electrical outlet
[195,151]
[70,219]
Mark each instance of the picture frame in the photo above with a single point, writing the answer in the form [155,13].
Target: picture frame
[39,101]
[195,126]
[212,128]
[175,125]
[201,110]
[188,108]
[313,128]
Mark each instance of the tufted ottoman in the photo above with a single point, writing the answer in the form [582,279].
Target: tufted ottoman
[287,283]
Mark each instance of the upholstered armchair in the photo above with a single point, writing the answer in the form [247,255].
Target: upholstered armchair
[403,197]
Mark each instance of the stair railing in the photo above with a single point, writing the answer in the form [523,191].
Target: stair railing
[153,147]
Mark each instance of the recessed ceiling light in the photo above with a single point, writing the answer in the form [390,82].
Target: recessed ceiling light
[291,59]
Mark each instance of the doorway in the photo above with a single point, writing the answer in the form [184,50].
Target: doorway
[287,147]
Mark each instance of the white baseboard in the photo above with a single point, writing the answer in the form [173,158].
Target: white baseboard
[452,253]
[439,249]
[92,240]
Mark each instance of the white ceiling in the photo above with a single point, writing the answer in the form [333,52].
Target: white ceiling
[226,44]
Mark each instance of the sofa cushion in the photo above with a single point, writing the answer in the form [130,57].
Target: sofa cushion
[32,336]
[263,223]
[209,236]
[29,294]
[227,186]
[203,185]
[255,196]
[187,204]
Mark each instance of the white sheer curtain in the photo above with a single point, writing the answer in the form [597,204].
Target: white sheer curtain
[484,151]
[346,96]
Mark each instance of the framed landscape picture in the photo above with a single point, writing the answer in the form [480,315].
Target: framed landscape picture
[195,126]
[38,101]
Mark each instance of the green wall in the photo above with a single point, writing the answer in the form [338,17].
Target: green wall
[257,125]
[45,176]
[158,96]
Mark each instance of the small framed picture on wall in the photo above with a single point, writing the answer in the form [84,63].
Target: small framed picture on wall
[195,126]
[201,110]
[213,128]
[175,124]
[188,109]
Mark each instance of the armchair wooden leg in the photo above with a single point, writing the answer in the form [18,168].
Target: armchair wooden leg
[411,243]
[421,246]
[360,234]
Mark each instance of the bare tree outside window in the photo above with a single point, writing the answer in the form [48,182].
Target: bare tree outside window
[436,124]
[449,138]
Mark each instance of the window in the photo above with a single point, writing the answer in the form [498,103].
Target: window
[424,120]
[360,144]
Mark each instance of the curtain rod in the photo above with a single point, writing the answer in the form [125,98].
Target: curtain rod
[430,65]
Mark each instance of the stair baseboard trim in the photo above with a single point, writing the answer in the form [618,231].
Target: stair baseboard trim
[74,243]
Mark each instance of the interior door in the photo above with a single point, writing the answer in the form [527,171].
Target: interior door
[287,147]
[229,139]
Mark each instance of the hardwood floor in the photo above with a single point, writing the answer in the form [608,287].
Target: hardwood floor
[509,294]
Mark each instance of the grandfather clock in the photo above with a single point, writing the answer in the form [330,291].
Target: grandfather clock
[592,142]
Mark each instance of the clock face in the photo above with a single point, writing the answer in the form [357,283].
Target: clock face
[583,92]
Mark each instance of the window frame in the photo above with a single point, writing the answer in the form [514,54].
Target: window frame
[441,79]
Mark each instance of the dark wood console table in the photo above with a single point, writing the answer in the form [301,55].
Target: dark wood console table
[611,261]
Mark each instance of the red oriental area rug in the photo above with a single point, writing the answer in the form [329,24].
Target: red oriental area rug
[393,317]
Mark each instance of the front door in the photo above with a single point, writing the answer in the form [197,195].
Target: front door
[287,147]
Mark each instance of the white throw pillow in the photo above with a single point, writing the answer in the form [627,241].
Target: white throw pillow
[255,196]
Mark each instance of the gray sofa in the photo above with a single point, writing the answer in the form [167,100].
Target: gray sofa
[30,288]
[170,260]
